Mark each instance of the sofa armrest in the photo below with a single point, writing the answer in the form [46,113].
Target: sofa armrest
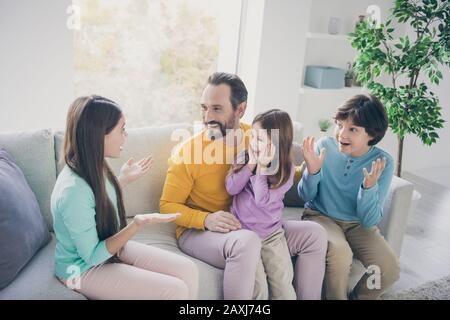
[396,211]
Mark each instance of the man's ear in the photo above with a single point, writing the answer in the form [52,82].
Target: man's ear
[241,109]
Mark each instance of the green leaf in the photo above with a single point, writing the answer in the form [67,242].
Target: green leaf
[434,135]
[410,109]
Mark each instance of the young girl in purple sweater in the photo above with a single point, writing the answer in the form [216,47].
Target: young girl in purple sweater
[258,182]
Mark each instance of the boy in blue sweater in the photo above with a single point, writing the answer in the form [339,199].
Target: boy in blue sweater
[345,191]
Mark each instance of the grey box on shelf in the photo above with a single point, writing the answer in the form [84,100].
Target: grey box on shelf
[324,77]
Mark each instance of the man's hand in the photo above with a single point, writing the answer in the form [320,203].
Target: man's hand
[222,221]
[370,179]
[313,162]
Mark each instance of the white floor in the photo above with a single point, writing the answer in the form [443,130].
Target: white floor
[425,252]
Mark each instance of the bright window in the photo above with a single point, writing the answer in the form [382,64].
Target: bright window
[153,57]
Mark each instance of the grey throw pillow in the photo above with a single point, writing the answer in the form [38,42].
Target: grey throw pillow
[292,199]
[23,230]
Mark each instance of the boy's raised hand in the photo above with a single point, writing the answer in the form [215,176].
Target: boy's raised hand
[313,162]
[370,179]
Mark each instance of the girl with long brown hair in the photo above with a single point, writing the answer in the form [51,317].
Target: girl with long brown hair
[94,254]
[258,182]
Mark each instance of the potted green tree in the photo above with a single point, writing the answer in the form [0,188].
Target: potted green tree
[349,75]
[411,107]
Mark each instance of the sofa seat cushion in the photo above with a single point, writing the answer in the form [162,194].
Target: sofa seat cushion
[293,213]
[163,236]
[23,230]
[37,280]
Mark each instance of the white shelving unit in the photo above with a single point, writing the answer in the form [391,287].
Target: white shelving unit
[335,50]
[326,36]
[345,90]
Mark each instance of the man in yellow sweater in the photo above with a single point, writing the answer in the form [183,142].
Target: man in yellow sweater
[195,187]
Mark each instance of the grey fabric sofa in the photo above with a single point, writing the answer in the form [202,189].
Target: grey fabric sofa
[38,154]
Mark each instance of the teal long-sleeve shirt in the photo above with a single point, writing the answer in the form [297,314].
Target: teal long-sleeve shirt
[337,189]
[73,211]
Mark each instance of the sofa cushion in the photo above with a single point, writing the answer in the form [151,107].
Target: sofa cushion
[163,236]
[23,230]
[37,280]
[143,195]
[292,198]
[59,155]
[34,153]
[290,213]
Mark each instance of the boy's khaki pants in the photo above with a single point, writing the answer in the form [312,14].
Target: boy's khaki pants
[345,240]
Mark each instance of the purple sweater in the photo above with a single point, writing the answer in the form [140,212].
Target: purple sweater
[257,207]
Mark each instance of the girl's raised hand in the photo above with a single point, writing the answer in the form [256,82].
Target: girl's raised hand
[313,162]
[132,170]
[370,179]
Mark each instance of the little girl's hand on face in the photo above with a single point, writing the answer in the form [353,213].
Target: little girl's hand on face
[370,179]
[252,161]
[267,155]
[313,162]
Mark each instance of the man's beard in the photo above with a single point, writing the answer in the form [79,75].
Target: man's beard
[214,134]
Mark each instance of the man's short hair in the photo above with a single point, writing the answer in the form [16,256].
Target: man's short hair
[238,91]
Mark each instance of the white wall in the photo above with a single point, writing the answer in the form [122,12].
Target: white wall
[417,156]
[272,57]
[272,67]
[36,77]
[250,38]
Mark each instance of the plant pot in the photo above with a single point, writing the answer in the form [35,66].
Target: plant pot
[348,82]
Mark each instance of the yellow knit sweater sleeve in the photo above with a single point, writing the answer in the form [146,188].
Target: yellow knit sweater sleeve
[177,187]
[299,172]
